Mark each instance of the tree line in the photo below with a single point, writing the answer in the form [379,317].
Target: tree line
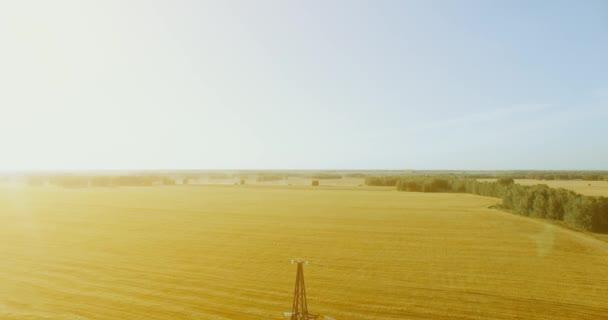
[270,177]
[540,201]
[543,175]
[82,181]
[321,176]
[534,175]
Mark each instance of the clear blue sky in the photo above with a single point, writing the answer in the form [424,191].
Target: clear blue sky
[304,85]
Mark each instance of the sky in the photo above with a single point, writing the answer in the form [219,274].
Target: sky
[462,85]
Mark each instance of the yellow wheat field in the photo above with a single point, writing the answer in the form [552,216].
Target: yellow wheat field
[222,252]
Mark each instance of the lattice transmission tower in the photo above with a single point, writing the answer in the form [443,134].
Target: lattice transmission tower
[299,308]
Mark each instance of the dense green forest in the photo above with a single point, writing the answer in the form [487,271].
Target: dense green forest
[582,212]
[546,175]
[536,175]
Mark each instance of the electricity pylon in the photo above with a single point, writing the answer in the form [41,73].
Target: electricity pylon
[299,309]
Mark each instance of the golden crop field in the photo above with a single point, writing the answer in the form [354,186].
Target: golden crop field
[222,252]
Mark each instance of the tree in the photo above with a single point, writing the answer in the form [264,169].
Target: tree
[540,205]
[580,213]
[555,207]
[505,181]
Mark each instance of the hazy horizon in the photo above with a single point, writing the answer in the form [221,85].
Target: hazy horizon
[397,85]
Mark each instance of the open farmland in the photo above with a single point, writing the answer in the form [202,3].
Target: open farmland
[222,252]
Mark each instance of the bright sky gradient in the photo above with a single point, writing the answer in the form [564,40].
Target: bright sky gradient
[303,85]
